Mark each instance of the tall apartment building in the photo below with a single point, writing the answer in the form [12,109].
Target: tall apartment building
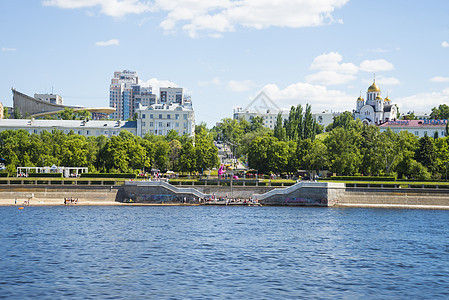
[121,94]
[171,95]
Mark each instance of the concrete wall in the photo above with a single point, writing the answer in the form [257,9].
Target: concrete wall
[58,193]
[391,196]
[305,194]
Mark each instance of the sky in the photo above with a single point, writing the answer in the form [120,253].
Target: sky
[225,52]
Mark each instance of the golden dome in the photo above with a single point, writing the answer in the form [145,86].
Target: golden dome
[360,98]
[374,88]
[378,97]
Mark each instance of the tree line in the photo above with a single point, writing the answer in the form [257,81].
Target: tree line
[123,153]
[348,147]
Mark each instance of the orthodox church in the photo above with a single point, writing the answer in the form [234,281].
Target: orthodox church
[375,110]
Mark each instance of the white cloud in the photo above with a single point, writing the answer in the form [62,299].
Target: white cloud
[440,79]
[423,102]
[158,83]
[218,16]
[444,44]
[113,8]
[107,43]
[376,65]
[240,86]
[8,49]
[317,96]
[331,70]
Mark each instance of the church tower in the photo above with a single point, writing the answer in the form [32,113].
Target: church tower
[372,93]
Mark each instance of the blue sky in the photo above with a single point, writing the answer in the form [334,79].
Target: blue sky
[224,52]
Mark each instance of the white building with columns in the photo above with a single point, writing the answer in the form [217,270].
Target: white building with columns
[159,119]
[375,110]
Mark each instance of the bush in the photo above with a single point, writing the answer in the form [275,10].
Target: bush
[108,175]
[364,178]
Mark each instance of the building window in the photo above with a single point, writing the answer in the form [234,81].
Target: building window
[168,124]
[168,116]
[177,116]
[176,124]
[185,125]
[185,117]
[143,124]
[87,132]
[416,133]
[160,116]
[143,116]
[151,124]
[160,124]
[151,116]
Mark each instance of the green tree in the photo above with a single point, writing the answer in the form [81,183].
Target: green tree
[5,113]
[426,153]
[442,112]
[174,152]
[187,158]
[344,150]
[344,121]
[279,129]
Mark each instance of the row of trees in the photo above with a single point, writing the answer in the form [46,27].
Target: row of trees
[122,153]
[352,148]
[347,148]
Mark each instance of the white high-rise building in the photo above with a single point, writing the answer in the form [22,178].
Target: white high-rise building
[121,94]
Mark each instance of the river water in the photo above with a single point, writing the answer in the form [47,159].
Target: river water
[223,253]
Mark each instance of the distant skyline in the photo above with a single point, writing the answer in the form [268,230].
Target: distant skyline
[223,52]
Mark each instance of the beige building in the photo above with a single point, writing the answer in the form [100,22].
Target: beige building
[159,119]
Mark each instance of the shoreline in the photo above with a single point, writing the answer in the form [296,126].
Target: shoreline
[51,202]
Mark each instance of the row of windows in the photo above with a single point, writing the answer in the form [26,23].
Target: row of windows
[161,132]
[151,116]
[160,124]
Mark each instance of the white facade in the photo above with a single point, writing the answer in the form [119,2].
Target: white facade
[420,128]
[51,98]
[159,119]
[375,110]
[90,128]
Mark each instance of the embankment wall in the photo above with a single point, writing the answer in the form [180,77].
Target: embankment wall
[42,193]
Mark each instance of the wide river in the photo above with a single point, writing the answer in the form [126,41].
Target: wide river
[223,253]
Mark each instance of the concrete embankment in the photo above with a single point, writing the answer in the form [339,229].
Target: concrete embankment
[395,197]
[300,194]
[54,195]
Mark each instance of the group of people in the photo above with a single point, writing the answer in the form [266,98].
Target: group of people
[70,200]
